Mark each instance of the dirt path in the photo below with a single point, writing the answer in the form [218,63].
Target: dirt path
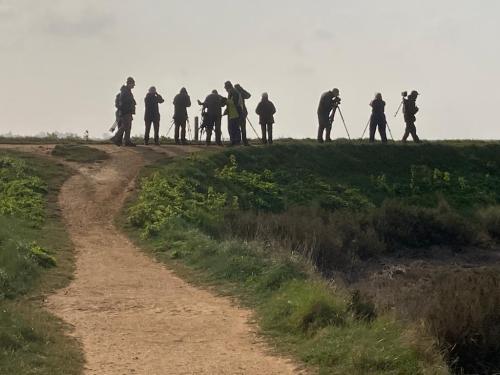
[132,315]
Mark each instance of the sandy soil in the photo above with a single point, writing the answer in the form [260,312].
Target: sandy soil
[131,314]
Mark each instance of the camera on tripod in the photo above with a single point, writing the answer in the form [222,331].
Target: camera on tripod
[404,94]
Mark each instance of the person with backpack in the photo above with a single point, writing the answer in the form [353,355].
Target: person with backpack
[378,119]
[152,115]
[243,95]
[410,110]
[234,112]
[266,110]
[126,107]
[182,102]
[212,116]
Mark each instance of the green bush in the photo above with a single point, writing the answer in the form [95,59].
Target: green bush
[304,307]
[21,193]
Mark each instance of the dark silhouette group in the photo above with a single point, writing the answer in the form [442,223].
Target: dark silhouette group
[237,116]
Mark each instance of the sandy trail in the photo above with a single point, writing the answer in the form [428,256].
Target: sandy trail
[131,314]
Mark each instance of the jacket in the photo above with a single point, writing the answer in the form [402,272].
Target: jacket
[127,102]
[182,102]
[266,110]
[151,102]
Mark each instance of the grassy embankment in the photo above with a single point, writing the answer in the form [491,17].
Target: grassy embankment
[35,258]
[275,225]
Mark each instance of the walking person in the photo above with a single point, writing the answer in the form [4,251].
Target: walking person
[327,108]
[126,104]
[244,95]
[378,119]
[212,116]
[410,110]
[182,102]
[152,115]
[266,110]
[234,112]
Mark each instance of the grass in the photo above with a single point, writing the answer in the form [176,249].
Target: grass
[35,259]
[261,222]
[79,153]
[298,311]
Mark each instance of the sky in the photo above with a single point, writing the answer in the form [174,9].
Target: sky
[62,62]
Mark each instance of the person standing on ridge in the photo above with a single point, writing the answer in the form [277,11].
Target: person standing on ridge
[410,110]
[152,115]
[126,104]
[182,102]
[244,95]
[327,108]
[266,110]
[234,112]
[212,116]
[378,119]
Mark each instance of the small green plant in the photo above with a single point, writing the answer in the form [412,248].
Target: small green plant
[21,193]
[39,255]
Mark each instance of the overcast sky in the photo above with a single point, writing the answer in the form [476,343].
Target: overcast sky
[62,62]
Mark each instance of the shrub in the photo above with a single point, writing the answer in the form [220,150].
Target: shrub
[304,307]
[21,193]
[462,310]
[398,223]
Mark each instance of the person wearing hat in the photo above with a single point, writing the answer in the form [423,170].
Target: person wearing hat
[152,115]
[212,116]
[266,110]
[126,104]
[234,113]
[410,110]
[378,119]
[182,102]
[327,108]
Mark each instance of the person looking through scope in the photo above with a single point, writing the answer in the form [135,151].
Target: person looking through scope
[378,119]
[327,108]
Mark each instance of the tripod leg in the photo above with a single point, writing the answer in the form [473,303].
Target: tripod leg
[257,134]
[343,121]
[390,132]
[366,128]
[399,108]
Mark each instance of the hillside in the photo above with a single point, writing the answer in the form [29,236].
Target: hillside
[341,247]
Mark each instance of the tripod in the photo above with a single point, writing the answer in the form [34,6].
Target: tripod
[255,131]
[368,124]
[399,108]
[343,121]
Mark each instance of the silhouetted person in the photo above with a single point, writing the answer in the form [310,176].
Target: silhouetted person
[244,95]
[378,119]
[182,102]
[266,110]
[118,118]
[212,116]
[327,108]
[410,110]
[152,115]
[234,113]
[127,111]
